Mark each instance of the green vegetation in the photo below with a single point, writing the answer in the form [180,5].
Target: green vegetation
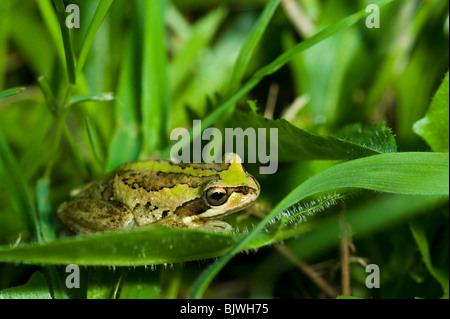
[363,128]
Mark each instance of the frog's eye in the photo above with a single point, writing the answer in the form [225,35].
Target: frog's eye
[216,196]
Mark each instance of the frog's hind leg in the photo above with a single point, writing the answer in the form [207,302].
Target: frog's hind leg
[86,216]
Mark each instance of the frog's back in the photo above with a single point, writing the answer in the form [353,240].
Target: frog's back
[151,176]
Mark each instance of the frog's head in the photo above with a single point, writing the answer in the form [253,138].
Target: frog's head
[233,191]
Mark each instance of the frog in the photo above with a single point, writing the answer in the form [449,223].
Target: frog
[158,192]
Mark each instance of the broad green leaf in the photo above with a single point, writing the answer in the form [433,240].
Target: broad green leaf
[376,137]
[35,288]
[295,144]
[434,127]
[139,247]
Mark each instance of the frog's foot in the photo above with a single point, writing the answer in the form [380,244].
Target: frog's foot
[216,226]
[86,216]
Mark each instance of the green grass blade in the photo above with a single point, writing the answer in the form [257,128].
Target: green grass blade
[45,210]
[250,44]
[48,94]
[155,88]
[101,97]
[51,22]
[97,20]
[96,144]
[126,142]
[70,61]
[399,173]
[287,56]
[10,92]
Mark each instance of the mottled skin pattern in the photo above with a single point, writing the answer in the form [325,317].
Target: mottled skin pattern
[148,193]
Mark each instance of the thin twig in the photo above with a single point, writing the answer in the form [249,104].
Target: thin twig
[345,261]
[308,271]
[271,100]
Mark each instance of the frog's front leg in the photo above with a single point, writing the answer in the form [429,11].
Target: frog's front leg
[217,226]
[86,216]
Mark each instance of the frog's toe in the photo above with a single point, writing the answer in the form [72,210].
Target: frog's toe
[217,226]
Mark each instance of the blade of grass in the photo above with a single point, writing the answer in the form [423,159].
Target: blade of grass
[70,61]
[59,115]
[10,92]
[400,173]
[95,143]
[178,23]
[154,83]
[97,20]
[102,97]
[5,25]
[45,210]
[273,67]
[51,21]
[249,46]
[48,94]
[126,143]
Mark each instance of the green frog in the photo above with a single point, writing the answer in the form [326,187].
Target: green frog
[148,193]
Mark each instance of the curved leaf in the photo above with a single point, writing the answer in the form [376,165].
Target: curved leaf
[400,173]
[139,247]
